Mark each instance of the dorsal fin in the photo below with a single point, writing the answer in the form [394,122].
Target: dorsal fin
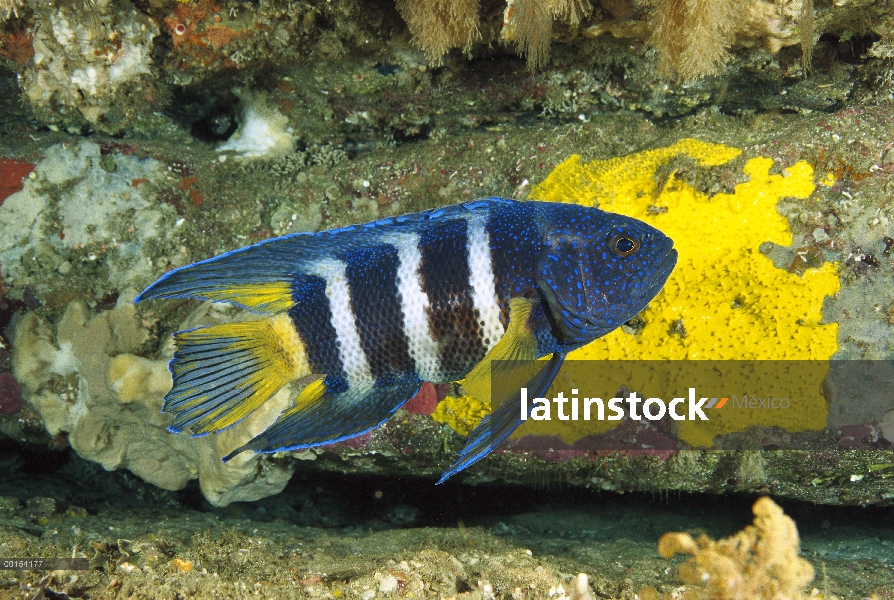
[261,277]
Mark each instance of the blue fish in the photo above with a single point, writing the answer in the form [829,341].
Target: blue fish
[378,309]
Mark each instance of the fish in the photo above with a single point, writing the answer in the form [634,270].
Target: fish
[375,310]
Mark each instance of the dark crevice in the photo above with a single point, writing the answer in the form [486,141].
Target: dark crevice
[210,118]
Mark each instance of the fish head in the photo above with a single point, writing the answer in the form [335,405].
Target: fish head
[598,270]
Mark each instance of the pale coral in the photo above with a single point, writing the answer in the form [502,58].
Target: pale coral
[529,24]
[439,25]
[97,62]
[9,8]
[760,562]
[264,132]
[83,378]
[692,36]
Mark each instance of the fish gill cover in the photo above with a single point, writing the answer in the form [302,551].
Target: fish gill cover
[724,301]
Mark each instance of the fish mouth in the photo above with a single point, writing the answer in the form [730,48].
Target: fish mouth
[660,270]
[663,269]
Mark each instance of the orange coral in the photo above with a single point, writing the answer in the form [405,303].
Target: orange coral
[760,562]
[183,565]
[186,26]
[16,46]
[184,23]
[219,36]
[198,37]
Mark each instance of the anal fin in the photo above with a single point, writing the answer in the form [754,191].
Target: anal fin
[326,411]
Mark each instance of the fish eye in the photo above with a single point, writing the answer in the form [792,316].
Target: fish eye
[623,245]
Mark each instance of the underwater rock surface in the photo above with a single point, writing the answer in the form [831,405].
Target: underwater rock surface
[79,197]
[100,67]
[236,123]
[140,136]
[98,375]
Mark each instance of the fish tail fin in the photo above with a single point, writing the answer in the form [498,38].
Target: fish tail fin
[259,278]
[224,372]
[328,411]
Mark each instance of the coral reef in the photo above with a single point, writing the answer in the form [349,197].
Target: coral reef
[108,64]
[84,379]
[692,37]
[263,131]
[760,562]
[99,229]
[363,122]
[96,61]
[94,217]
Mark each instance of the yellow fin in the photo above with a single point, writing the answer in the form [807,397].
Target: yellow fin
[271,297]
[224,372]
[326,411]
[309,396]
[518,343]
[307,399]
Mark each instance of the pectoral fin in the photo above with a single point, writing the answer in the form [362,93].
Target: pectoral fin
[500,424]
[517,344]
[512,365]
